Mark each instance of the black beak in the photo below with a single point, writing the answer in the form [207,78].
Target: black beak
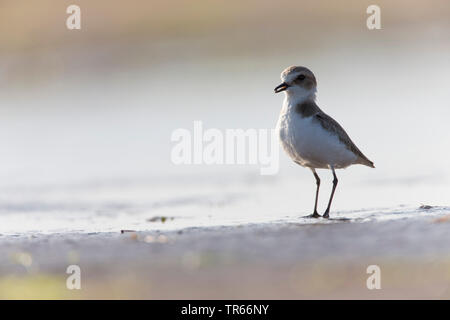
[281,87]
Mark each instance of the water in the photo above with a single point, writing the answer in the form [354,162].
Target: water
[91,153]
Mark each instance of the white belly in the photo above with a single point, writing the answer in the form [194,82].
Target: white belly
[310,145]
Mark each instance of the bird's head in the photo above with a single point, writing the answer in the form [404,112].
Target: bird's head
[298,83]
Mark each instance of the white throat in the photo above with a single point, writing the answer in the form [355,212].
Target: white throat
[296,96]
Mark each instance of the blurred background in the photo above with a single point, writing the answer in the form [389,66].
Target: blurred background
[86,118]
[86,115]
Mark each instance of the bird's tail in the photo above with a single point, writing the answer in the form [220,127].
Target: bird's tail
[366,162]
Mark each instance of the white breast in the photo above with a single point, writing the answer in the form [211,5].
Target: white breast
[309,144]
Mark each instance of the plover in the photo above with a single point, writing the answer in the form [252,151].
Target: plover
[309,136]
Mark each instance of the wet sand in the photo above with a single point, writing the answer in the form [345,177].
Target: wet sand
[285,260]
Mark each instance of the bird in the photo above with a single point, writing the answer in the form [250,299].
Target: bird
[309,136]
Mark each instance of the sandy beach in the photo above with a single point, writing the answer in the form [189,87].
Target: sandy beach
[283,260]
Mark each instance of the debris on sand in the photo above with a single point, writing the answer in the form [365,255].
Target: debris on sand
[159,218]
[156,239]
[426,207]
[442,219]
[134,236]
[124,231]
[131,234]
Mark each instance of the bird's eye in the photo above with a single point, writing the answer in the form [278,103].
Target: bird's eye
[301,77]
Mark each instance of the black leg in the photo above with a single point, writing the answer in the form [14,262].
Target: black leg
[315,214]
[335,182]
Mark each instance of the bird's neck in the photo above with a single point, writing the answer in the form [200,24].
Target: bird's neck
[296,98]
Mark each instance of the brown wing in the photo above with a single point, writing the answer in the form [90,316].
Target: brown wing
[330,124]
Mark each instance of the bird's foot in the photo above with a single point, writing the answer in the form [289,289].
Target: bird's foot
[314,215]
[326,214]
